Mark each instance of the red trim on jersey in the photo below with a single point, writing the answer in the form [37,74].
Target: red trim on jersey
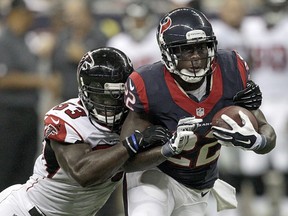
[140,87]
[190,106]
[243,68]
[101,147]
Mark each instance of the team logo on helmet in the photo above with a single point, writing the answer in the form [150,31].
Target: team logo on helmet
[164,26]
[87,61]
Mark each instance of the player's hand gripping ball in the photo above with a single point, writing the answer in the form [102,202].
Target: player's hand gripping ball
[237,127]
[233,112]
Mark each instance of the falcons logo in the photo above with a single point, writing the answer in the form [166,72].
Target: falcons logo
[50,130]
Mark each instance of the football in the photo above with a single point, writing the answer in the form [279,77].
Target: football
[233,112]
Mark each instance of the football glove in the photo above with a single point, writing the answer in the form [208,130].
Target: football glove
[182,136]
[152,135]
[244,137]
[249,98]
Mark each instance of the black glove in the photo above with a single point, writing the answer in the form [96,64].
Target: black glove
[152,135]
[249,98]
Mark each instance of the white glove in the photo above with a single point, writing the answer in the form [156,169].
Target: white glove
[182,136]
[244,137]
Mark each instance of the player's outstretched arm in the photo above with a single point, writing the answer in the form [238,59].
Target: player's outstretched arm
[153,157]
[89,167]
[86,166]
[146,159]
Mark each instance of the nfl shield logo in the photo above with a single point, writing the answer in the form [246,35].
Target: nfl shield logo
[200,111]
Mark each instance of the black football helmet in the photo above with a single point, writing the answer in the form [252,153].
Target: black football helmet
[101,76]
[183,29]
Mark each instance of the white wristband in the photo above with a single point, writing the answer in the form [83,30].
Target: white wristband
[260,143]
[167,150]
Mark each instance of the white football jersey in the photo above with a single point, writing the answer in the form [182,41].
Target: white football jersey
[229,38]
[50,188]
[269,54]
[141,52]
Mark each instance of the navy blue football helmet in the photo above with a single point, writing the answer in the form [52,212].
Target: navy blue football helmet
[182,29]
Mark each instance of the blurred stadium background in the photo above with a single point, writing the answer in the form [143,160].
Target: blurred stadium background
[261,192]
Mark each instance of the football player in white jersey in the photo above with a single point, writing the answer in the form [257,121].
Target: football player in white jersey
[80,165]
[138,38]
[263,39]
[228,26]
[267,38]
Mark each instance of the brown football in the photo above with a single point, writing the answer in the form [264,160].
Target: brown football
[233,112]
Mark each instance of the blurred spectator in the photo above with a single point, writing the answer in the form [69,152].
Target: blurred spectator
[19,85]
[269,53]
[79,34]
[186,3]
[138,40]
[228,26]
[267,38]
[262,41]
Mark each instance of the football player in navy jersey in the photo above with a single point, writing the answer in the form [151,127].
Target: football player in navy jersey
[194,80]
[82,157]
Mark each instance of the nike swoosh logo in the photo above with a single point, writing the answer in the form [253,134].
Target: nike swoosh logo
[54,121]
[248,142]
[131,86]
[204,193]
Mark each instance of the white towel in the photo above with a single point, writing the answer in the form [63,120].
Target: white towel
[225,195]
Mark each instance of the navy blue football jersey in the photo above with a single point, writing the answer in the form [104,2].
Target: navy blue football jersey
[153,90]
